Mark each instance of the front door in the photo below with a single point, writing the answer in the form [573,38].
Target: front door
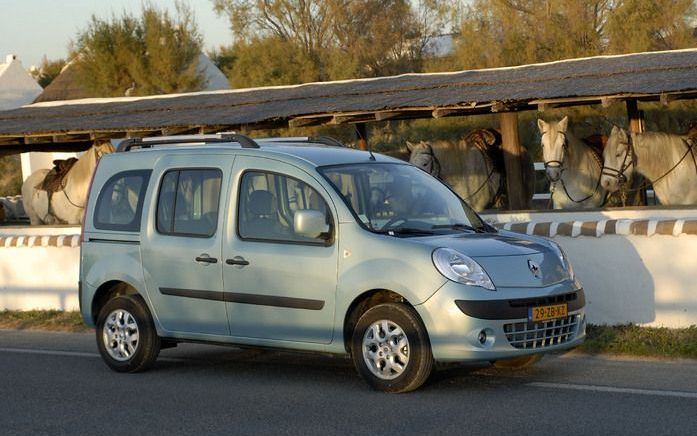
[181,250]
[279,285]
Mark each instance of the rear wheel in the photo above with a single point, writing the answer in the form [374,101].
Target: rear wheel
[390,348]
[518,362]
[126,335]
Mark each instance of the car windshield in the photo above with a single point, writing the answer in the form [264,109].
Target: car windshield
[401,199]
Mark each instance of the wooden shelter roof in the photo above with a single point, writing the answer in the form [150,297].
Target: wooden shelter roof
[73,124]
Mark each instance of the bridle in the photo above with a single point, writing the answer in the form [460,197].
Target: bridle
[628,161]
[558,164]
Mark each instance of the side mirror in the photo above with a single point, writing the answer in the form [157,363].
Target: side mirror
[310,223]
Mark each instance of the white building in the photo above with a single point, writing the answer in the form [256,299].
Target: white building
[17,87]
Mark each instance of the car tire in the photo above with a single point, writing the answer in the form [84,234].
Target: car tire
[518,362]
[390,348]
[126,335]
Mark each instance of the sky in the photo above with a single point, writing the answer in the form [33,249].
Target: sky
[31,29]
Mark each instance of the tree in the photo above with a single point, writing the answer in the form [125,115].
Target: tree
[341,38]
[47,71]
[637,26]
[151,54]
[267,62]
[514,32]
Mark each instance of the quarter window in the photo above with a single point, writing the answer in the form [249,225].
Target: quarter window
[188,202]
[120,202]
[268,204]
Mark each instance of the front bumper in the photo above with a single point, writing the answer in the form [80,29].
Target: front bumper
[457,315]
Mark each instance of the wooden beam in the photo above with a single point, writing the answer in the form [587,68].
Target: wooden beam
[390,115]
[72,137]
[31,140]
[171,131]
[346,119]
[308,121]
[518,197]
[98,136]
[498,106]
[142,133]
[444,112]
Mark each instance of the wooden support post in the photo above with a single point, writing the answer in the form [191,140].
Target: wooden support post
[362,136]
[518,197]
[635,119]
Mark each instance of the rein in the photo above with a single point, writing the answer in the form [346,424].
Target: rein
[560,164]
[622,178]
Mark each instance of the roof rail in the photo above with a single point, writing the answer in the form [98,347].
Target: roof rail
[244,140]
[326,140]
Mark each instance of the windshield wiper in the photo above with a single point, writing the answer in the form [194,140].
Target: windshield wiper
[460,226]
[405,231]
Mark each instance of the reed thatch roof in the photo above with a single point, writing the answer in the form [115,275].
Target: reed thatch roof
[644,76]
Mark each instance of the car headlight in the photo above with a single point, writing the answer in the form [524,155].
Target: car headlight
[556,248]
[460,268]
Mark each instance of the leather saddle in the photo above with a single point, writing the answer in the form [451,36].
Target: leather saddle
[53,182]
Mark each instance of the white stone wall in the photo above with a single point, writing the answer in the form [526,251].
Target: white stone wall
[634,269]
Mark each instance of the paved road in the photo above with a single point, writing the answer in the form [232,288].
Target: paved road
[55,383]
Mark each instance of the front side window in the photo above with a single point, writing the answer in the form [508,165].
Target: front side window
[400,199]
[120,201]
[188,202]
[269,203]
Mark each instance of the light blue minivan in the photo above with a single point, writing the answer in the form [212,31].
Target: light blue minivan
[300,243]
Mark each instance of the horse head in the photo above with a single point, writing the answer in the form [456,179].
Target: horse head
[618,160]
[101,148]
[554,146]
[421,155]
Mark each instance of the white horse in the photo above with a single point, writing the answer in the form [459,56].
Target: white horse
[469,166]
[572,167]
[668,161]
[66,205]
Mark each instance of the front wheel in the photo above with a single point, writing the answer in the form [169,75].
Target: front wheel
[390,348]
[126,335]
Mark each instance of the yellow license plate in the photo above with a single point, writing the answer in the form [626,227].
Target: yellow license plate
[544,313]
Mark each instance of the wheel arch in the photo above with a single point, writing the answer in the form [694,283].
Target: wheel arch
[108,290]
[365,301]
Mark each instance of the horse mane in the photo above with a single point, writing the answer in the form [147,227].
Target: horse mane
[649,142]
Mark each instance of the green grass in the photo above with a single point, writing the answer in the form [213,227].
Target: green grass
[641,341]
[53,320]
[625,339]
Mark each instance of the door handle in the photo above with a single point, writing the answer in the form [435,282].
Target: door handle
[206,259]
[237,260]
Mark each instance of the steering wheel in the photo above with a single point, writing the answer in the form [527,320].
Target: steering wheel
[392,221]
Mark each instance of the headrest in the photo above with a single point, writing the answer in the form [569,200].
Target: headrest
[261,203]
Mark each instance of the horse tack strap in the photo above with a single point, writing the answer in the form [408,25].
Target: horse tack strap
[53,182]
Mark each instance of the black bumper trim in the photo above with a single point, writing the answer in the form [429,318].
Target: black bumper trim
[518,308]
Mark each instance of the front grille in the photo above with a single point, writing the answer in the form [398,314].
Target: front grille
[530,335]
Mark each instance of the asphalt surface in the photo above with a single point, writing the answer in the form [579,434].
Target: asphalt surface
[56,383]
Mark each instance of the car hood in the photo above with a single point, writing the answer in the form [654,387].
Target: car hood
[508,258]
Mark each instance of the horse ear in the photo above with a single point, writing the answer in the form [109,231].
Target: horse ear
[542,125]
[489,136]
[564,124]
[621,133]
[410,146]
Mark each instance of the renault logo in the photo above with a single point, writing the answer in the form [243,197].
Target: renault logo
[535,269]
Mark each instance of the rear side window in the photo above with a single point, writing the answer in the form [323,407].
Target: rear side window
[120,202]
[188,202]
